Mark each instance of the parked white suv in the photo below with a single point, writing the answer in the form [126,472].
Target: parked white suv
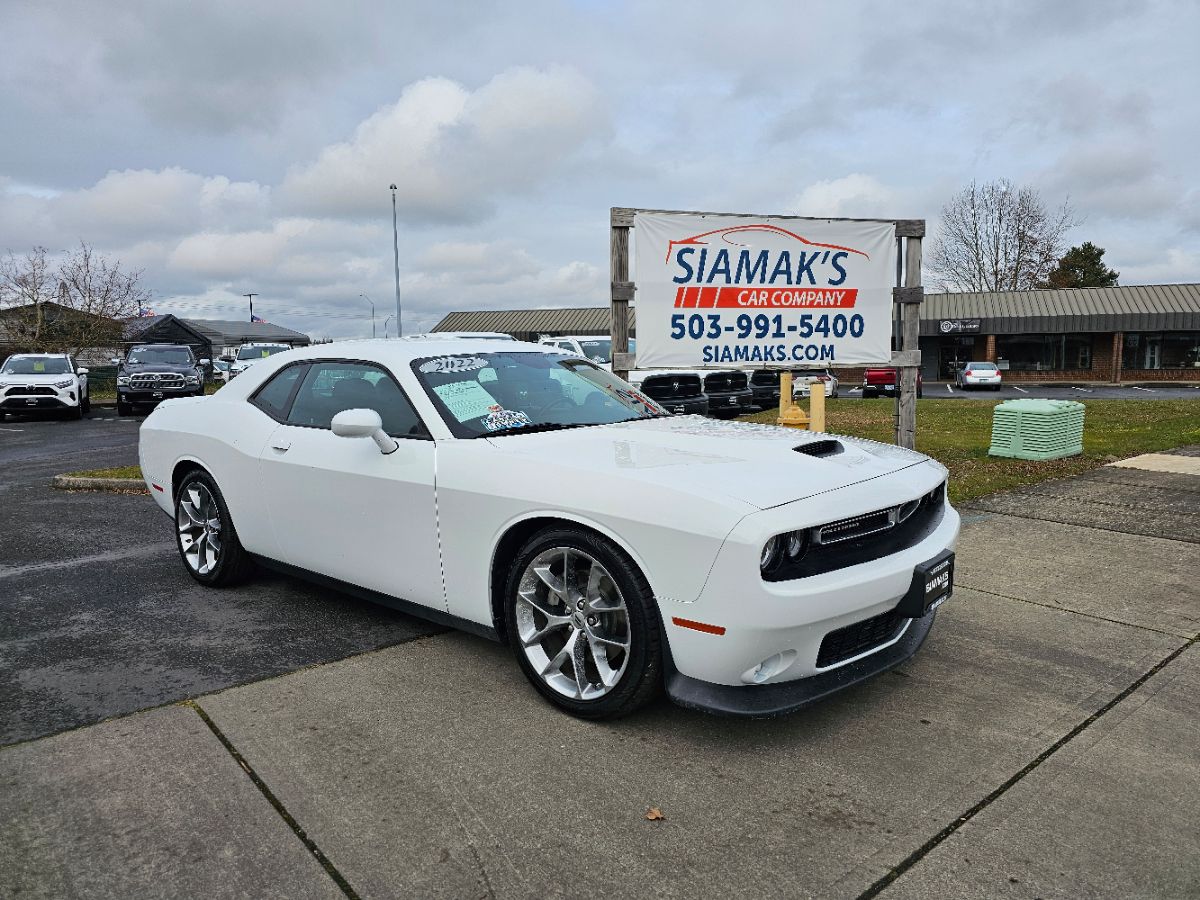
[37,382]
[249,354]
[596,348]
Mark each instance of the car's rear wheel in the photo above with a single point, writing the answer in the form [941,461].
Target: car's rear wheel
[582,621]
[208,543]
[124,409]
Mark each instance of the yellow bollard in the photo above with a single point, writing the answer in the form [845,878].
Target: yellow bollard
[789,413]
[816,406]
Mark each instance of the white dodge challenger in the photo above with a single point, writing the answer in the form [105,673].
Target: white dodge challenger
[528,495]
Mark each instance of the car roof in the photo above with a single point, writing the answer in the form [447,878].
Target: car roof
[402,352]
[165,346]
[37,355]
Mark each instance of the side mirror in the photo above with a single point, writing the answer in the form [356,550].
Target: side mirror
[116,360]
[351,423]
[81,371]
[205,362]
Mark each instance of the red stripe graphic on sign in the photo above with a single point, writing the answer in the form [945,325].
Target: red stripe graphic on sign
[738,297]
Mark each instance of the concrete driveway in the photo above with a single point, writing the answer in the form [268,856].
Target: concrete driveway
[1042,744]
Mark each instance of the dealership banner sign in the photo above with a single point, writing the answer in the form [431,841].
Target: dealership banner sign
[719,292]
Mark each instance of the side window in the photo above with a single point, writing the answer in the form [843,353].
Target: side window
[272,398]
[331,387]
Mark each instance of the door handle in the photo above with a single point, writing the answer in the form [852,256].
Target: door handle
[281,446]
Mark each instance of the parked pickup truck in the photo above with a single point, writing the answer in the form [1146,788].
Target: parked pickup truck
[881,381]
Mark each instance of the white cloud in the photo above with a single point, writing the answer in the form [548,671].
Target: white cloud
[452,153]
[853,195]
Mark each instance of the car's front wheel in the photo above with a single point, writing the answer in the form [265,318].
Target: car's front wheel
[208,543]
[583,624]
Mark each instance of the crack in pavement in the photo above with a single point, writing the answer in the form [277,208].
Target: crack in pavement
[330,869]
[925,849]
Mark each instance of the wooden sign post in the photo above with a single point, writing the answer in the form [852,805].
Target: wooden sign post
[907,294]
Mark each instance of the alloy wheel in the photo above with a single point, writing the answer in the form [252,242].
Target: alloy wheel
[199,523]
[573,623]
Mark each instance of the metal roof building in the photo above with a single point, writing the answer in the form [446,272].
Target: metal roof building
[210,337]
[1154,307]
[529,324]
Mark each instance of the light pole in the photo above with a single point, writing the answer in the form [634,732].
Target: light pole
[385,321]
[368,299]
[396,257]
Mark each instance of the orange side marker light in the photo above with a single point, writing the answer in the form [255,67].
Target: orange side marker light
[699,626]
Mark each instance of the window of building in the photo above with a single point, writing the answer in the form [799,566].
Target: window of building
[1045,352]
[1161,350]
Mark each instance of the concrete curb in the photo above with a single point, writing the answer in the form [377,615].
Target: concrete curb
[117,485]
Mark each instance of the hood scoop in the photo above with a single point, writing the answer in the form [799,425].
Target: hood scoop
[822,448]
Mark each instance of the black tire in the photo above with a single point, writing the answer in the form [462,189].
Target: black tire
[87,403]
[124,409]
[642,679]
[233,564]
[76,412]
[920,393]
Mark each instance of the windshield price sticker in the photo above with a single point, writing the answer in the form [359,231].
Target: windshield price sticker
[721,291]
[449,364]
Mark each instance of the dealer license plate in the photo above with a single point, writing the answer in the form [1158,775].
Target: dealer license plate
[932,585]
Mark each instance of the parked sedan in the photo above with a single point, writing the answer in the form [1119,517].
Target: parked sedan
[532,497]
[979,375]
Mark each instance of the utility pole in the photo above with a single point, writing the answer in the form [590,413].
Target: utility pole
[396,257]
[251,296]
[385,321]
[368,299]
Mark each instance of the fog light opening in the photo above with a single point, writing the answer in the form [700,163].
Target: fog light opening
[770,667]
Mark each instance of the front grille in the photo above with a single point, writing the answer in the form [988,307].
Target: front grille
[765,377]
[31,391]
[852,640]
[671,387]
[168,381]
[860,539]
[724,382]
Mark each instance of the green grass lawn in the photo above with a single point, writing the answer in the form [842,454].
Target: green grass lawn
[115,472]
[958,432]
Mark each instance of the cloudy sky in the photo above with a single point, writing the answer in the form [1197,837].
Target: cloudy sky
[226,147]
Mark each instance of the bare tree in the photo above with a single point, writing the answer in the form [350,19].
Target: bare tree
[998,237]
[78,303]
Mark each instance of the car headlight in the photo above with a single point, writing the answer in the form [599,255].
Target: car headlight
[192,379]
[787,548]
[122,381]
[62,384]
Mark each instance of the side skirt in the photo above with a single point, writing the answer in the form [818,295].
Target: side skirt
[405,606]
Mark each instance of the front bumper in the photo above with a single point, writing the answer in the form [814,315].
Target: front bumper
[731,402]
[129,395]
[789,620]
[13,399]
[20,402]
[685,406]
[981,382]
[764,701]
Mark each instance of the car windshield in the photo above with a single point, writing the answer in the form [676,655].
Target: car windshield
[259,352]
[598,350]
[171,356]
[37,365]
[492,394]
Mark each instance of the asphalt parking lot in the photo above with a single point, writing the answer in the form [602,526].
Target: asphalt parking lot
[278,740]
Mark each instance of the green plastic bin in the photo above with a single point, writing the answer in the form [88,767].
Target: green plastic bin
[1037,429]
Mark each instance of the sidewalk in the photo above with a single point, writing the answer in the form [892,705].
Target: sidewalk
[1042,744]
